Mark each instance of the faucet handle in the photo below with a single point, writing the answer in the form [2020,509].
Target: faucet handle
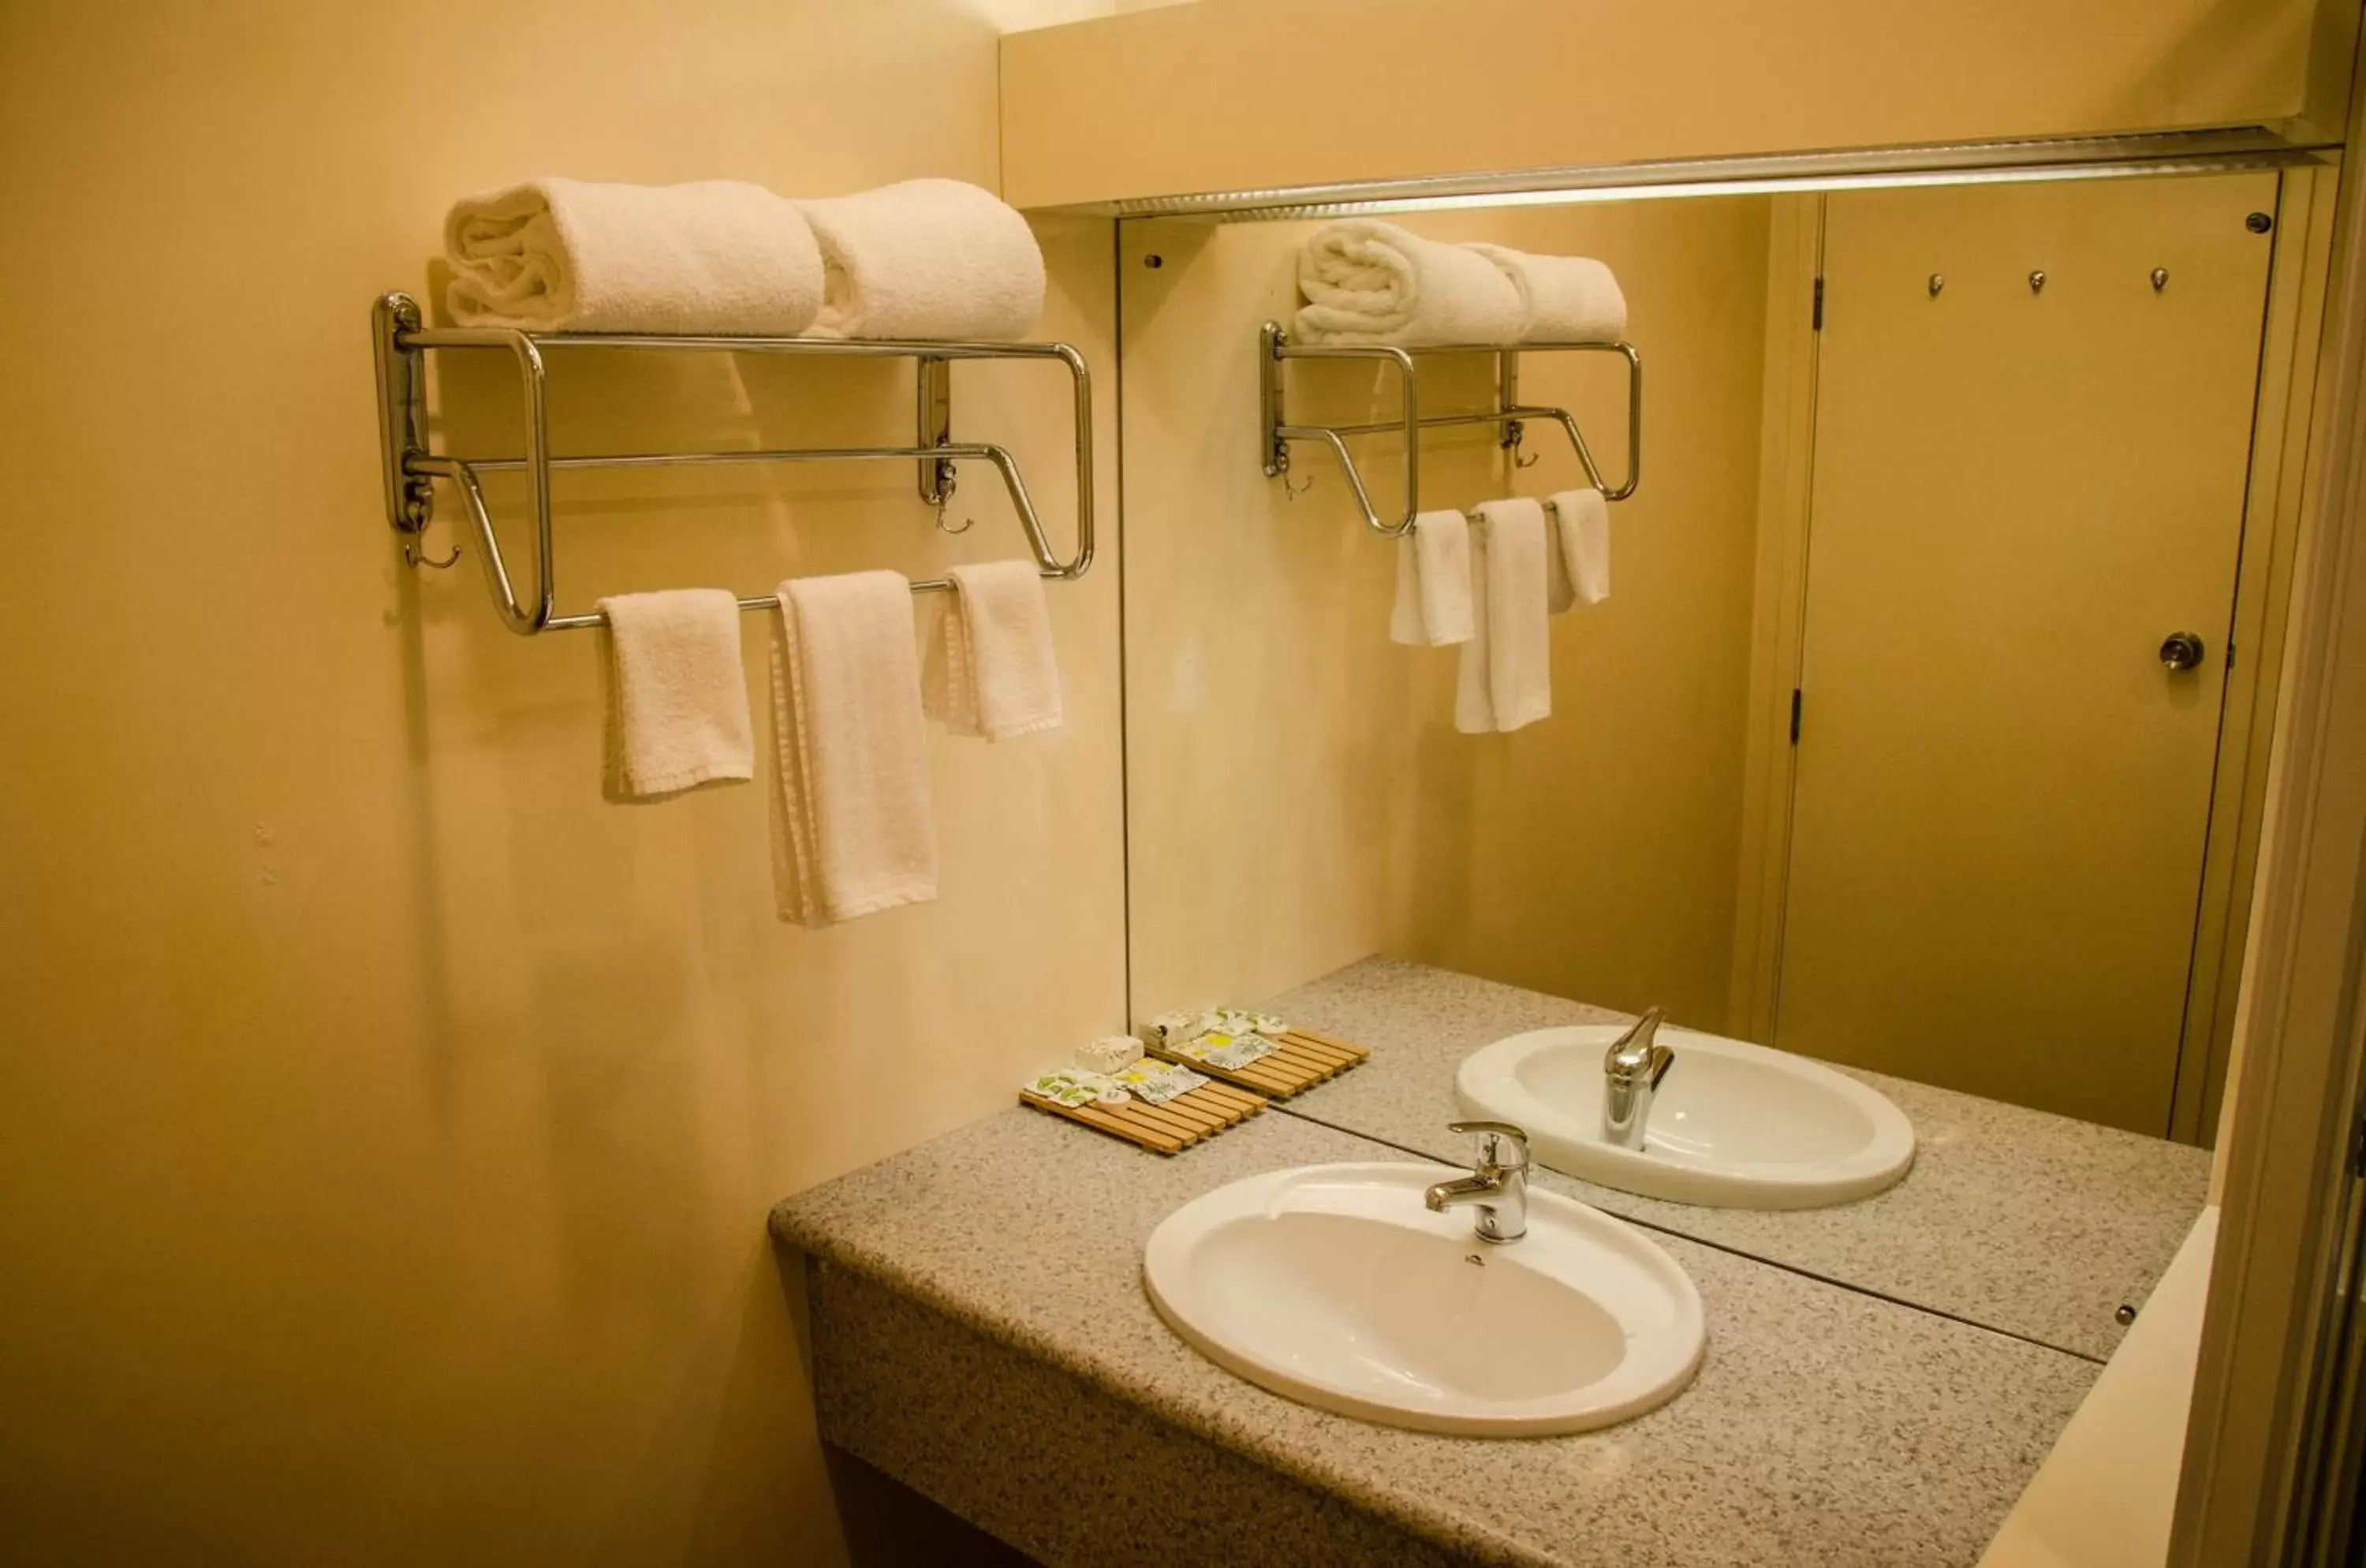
[1493,1137]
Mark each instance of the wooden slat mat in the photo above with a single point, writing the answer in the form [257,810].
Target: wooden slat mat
[1300,1059]
[1162,1129]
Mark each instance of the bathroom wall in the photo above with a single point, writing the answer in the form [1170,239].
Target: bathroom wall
[1299,796]
[386,1125]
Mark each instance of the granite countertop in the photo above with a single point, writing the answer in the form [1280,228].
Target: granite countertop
[2018,1220]
[1826,1426]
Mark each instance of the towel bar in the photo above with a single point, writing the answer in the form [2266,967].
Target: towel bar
[1276,433]
[411,470]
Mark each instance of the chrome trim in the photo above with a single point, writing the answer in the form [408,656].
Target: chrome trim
[410,468]
[2169,153]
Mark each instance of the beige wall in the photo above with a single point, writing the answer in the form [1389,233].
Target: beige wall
[1230,94]
[388,1125]
[1297,794]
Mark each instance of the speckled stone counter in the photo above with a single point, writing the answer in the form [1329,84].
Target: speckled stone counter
[2024,1221]
[980,1331]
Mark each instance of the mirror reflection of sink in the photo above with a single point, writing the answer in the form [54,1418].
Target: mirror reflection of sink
[1333,1285]
[1733,1125]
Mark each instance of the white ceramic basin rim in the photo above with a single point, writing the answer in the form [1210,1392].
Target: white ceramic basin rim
[1334,1285]
[1733,1124]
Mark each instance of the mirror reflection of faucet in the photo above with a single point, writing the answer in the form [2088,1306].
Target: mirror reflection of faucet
[1632,1069]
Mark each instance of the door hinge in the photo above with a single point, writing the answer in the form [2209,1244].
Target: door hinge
[1795,715]
[1817,325]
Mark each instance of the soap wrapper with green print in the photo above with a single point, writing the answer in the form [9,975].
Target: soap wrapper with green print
[1155,1083]
[1073,1087]
[1230,1052]
[1173,1031]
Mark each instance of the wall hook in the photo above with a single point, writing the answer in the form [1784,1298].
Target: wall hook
[1294,491]
[1938,281]
[2037,281]
[943,527]
[2159,278]
[1523,458]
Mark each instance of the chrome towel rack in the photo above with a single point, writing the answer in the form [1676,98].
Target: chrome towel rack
[1509,414]
[412,469]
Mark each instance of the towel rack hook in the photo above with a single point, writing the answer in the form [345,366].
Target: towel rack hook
[414,553]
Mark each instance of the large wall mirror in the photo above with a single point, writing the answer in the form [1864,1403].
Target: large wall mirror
[1923,730]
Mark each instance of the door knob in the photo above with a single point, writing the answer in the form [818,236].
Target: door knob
[2182,650]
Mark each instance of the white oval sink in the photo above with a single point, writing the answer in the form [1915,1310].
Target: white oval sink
[1734,1125]
[1334,1286]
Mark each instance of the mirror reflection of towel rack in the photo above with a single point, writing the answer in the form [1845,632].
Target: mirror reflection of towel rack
[410,468]
[1509,415]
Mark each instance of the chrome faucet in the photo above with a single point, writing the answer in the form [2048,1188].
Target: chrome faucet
[1497,1185]
[1632,1069]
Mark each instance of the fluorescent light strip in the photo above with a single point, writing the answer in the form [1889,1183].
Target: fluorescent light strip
[1895,180]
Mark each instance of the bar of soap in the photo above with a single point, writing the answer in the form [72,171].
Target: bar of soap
[1109,1053]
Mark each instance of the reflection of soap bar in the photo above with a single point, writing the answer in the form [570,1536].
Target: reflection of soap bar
[1230,1052]
[1110,1053]
[1172,1028]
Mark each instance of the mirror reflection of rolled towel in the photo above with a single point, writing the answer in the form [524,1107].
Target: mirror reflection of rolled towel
[1369,282]
[1563,298]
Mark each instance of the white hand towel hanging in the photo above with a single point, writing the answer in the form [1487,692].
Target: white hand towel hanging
[1582,540]
[677,697]
[992,670]
[1505,681]
[926,259]
[571,255]
[1433,603]
[854,828]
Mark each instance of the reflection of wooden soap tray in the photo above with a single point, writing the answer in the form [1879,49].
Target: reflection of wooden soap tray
[1299,1062]
[1161,1129]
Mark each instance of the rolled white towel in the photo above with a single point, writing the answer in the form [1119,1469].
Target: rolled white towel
[926,259]
[569,256]
[1563,298]
[1369,282]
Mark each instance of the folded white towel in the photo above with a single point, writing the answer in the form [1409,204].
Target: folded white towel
[1563,298]
[1560,593]
[1582,533]
[569,255]
[1433,605]
[1505,678]
[854,830]
[1369,282]
[677,697]
[926,259]
[991,669]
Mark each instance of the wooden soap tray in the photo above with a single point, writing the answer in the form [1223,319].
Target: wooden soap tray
[1166,1128]
[1300,1060]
